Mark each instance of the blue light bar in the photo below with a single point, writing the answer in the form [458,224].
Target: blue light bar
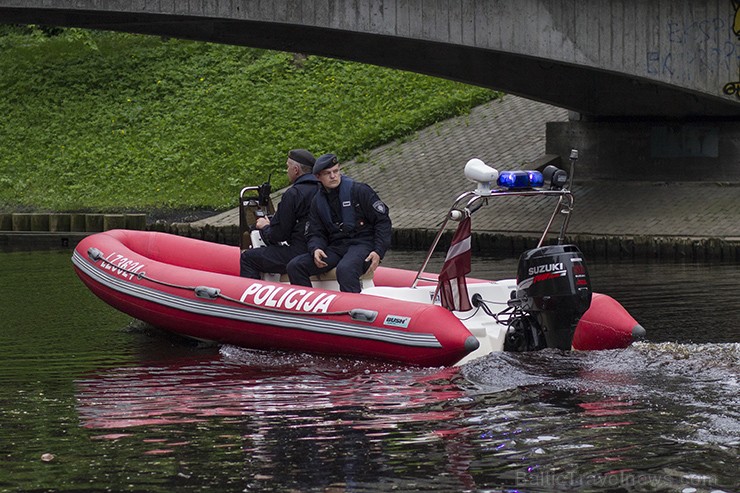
[513,179]
[520,179]
[536,179]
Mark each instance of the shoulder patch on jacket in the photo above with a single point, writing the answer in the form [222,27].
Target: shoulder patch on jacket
[379,206]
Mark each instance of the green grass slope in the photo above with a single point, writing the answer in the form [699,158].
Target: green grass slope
[106,121]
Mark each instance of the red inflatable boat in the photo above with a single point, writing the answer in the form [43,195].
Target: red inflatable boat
[193,288]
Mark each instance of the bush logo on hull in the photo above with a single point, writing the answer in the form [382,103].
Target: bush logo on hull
[397,321]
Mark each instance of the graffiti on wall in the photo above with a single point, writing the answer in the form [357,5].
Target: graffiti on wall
[734,87]
[704,44]
[699,47]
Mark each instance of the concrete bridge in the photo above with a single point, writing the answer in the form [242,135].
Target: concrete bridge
[655,79]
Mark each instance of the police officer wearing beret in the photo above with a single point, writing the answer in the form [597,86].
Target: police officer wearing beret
[289,222]
[349,228]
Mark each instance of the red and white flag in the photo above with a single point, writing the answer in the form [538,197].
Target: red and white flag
[452,288]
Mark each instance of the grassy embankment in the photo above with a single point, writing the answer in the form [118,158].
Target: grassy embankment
[104,121]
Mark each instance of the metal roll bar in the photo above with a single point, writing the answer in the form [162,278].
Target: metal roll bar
[479,197]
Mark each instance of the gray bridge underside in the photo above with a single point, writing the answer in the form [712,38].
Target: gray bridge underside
[597,93]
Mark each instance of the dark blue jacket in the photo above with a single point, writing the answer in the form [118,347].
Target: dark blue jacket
[289,222]
[352,212]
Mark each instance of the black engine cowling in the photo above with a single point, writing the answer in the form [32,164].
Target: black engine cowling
[554,288]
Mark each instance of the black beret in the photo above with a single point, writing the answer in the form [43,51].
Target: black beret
[323,162]
[302,156]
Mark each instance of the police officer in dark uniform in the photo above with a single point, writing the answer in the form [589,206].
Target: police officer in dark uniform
[349,228]
[289,222]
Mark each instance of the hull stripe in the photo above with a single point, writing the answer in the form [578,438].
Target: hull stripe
[209,309]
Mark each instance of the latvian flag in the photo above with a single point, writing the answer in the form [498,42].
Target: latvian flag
[452,288]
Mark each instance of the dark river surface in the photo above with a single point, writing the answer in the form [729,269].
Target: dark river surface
[91,401]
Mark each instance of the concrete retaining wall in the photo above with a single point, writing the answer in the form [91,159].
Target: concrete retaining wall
[69,222]
[21,231]
[698,151]
[512,245]
[592,246]
[65,230]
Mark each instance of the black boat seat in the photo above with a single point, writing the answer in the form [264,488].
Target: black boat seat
[328,276]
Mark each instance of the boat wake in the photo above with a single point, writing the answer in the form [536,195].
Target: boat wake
[697,384]
[310,363]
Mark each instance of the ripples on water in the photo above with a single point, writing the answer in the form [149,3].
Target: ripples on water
[123,408]
[654,415]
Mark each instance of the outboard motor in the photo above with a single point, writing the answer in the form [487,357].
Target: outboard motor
[553,291]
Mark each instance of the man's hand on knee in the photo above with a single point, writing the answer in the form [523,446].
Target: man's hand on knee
[374,260]
[318,258]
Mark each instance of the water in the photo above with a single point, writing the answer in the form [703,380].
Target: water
[92,401]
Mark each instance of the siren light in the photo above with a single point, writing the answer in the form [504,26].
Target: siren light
[535,179]
[479,172]
[520,179]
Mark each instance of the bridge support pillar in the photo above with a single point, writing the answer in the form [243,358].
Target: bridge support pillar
[650,151]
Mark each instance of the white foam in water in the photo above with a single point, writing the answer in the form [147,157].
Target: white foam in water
[702,379]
